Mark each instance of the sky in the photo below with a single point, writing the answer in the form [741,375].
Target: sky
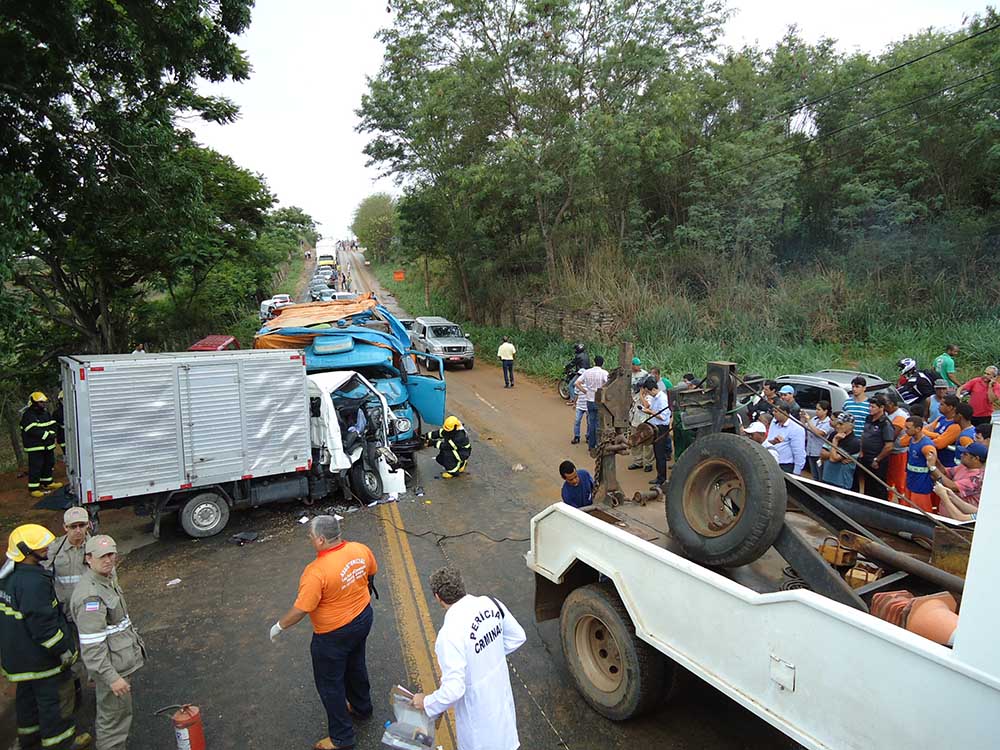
[311,58]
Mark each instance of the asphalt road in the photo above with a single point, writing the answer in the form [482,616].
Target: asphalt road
[207,635]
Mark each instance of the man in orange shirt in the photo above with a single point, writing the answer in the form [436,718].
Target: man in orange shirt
[335,591]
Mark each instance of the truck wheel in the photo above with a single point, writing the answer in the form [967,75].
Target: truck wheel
[366,483]
[205,514]
[470,364]
[619,675]
[726,500]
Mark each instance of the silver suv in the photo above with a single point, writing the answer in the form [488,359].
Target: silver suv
[830,385]
[443,339]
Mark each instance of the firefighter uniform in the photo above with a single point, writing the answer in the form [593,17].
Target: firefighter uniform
[38,434]
[454,447]
[110,646]
[36,647]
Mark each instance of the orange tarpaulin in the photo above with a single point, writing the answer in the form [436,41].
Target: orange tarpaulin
[309,314]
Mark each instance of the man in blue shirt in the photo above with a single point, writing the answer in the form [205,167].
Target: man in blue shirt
[656,406]
[578,485]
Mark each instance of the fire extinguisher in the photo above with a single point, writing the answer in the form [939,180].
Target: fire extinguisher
[188,729]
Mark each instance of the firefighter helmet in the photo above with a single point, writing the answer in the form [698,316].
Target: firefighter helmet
[38,397]
[452,423]
[26,539]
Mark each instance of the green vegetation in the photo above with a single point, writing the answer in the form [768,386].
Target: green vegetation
[789,208]
[668,340]
[115,225]
[374,224]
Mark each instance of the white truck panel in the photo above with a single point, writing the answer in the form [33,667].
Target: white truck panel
[826,675]
[143,424]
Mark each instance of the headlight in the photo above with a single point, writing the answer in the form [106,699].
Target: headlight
[403,425]
[433,349]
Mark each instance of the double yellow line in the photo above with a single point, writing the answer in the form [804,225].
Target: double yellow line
[413,619]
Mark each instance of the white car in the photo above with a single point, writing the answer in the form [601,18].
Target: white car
[268,306]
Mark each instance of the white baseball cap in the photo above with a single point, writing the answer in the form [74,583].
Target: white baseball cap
[754,428]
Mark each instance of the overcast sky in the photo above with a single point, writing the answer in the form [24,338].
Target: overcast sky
[310,59]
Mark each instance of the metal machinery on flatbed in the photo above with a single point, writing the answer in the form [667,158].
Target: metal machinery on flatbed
[762,587]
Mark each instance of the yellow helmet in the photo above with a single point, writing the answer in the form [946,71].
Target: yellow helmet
[38,397]
[28,538]
[452,423]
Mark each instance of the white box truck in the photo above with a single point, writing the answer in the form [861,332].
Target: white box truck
[201,433]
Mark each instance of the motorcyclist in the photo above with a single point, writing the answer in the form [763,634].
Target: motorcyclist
[915,385]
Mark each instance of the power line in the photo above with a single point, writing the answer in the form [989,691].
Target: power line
[855,124]
[849,87]
[865,145]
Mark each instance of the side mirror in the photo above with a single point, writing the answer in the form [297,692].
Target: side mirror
[468,337]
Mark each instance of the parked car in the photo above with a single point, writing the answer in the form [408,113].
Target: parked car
[830,385]
[441,337]
[328,295]
[326,260]
[268,306]
[323,272]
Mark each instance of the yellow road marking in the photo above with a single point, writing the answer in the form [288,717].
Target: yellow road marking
[413,618]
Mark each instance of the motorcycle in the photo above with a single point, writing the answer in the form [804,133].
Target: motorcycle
[570,371]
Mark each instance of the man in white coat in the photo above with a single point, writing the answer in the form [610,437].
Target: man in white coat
[472,648]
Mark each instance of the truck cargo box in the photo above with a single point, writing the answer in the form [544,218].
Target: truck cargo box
[142,424]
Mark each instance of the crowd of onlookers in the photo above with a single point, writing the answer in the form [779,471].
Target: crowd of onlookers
[924,442]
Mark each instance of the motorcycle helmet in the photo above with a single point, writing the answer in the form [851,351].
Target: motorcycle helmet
[578,348]
[906,364]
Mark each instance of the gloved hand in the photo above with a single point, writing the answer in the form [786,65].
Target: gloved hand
[68,658]
[276,631]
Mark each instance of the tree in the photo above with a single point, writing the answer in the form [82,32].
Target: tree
[374,223]
[88,103]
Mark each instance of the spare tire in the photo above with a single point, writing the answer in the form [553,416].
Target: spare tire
[726,500]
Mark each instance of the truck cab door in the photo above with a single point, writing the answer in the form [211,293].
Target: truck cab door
[427,394]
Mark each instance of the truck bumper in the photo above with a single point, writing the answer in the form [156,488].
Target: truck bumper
[405,449]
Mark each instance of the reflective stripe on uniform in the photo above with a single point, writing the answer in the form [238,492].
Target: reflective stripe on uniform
[53,640]
[917,469]
[68,579]
[38,424]
[88,639]
[11,612]
[50,741]
[22,731]
[24,676]
[38,448]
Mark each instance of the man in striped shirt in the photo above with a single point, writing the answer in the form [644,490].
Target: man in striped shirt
[857,405]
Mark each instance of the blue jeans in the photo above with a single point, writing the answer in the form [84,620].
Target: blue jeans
[341,675]
[508,371]
[592,424]
[576,423]
[572,388]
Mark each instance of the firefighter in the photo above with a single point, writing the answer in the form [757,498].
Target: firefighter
[111,647]
[454,447]
[36,645]
[38,434]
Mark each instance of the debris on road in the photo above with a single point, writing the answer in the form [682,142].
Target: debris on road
[173,582]
[419,491]
[304,519]
[517,467]
[244,537]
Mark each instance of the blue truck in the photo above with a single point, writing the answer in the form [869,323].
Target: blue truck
[363,336]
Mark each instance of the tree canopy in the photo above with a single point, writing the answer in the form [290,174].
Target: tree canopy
[545,141]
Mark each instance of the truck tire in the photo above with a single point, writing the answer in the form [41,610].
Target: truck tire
[366,484]
[726,500]
[618,674]
[470,364]
[205,514]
